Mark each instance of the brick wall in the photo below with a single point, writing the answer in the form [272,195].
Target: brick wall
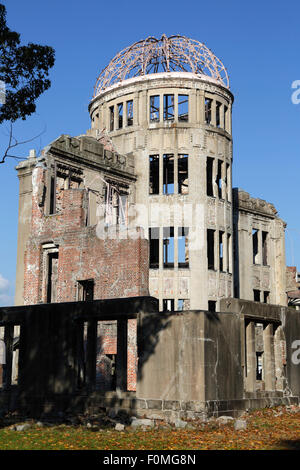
[119,267]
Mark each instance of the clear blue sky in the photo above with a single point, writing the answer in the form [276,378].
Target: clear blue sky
[258,42]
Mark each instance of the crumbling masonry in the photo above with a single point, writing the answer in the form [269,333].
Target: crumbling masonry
[163,289]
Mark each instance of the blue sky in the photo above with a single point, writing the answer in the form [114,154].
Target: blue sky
[257,41]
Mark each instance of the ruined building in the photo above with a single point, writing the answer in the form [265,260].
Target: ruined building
[177,281]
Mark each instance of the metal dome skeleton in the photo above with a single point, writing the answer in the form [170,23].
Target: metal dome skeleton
[167,54]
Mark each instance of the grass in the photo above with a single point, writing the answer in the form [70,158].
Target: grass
[265,431]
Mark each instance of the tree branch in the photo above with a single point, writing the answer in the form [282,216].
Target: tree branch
[12,143]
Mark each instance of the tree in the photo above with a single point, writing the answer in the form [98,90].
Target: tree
[24,71]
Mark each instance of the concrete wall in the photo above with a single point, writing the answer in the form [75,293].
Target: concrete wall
[190,363]
[291,327]
[267,275]
[190,356]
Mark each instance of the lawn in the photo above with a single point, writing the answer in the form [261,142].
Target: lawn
[268,429]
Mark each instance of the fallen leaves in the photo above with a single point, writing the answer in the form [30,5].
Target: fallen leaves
[274,428]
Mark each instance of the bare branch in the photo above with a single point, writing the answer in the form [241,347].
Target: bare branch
[13,142]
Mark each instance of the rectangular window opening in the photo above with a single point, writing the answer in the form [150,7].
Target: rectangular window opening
[52,206]
[208,107]
[221,251]
[266,297]
[154,247]
[168,174]
[264,236]
[183,249]
[168,305]
[86,290]
[218,108]
[111,118]
[168,107]
[212,305]
[154,174]
[182,304]
[229,251]
[225,117]
[255,246]
[168,247]
[211,249]
[122,209]
[256,295]
[183,108]
[129,107]
[209,176]
[154,108]
[183,177]
[219,178]
[52,276]
[120,115]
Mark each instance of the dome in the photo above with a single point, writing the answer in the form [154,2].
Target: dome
[167,54]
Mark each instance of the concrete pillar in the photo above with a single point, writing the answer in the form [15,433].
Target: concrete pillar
[201,107]
[222,116]
[161,107]
[116,117]
[192,107]
[250,357]
[176,107]
[269,357]
[135,109]
[213,113]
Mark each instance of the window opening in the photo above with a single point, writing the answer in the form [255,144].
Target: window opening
[129,106]
[52,277]
[154,247]
[209,176]
[211,248]
[256,295]
[225,117]
[264,236]
[218,107]
[183,108]
[221,253]
[183,177]
[168,107]
[255,245]
[168,174]
[208,106]
[168,305]
[168,247]
[154,174]
[86,290]
[266,297]
[219,178]
[111,118]
[183,251]
[154,108]
[120,115]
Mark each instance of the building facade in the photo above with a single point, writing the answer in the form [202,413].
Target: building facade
[159,156]
[131,238]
